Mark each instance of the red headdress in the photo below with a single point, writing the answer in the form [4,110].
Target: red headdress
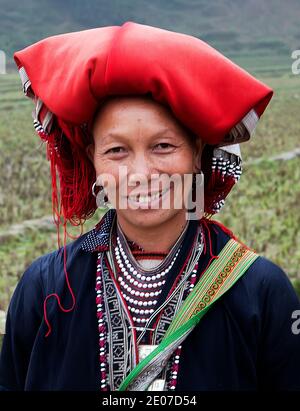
[69,75]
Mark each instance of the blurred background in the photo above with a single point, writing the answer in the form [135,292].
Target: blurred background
[260,35]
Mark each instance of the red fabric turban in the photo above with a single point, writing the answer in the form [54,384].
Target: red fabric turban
[69,75]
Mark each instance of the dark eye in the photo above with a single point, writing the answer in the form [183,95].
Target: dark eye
[114,150]
[164,146]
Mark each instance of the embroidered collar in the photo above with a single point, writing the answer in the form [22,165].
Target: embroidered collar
[98,238]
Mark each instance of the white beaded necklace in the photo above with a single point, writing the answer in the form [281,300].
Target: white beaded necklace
[140,291]
[140,287]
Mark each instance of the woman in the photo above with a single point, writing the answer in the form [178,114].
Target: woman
[181,304]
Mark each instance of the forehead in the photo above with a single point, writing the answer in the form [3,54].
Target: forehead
[118,117]
[121,111]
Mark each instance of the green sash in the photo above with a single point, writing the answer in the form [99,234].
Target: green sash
[232,262]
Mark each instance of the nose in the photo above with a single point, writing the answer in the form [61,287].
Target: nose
[140,171]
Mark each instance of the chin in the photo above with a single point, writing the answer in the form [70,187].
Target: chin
[148,218]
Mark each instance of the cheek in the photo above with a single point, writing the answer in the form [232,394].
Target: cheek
[183,165]
[102,164]
[108,168]
[181,162]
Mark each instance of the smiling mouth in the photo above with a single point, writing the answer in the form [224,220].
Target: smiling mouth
[144,199]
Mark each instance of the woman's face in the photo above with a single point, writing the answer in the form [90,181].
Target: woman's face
[145,138]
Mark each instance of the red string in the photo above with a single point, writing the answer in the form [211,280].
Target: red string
[75,175]
[55,295]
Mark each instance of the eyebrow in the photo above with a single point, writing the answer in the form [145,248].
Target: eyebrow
[122,137]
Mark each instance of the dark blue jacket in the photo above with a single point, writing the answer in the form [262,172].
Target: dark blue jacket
[246,341]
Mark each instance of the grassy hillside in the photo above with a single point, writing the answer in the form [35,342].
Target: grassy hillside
[235,27]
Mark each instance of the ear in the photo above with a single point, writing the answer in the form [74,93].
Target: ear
[90,149]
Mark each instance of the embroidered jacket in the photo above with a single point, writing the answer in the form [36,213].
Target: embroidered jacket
[247,341]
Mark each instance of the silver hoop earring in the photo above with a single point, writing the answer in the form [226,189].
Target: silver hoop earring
[93,188]
[101,198]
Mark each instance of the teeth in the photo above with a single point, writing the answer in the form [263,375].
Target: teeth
[146,199]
